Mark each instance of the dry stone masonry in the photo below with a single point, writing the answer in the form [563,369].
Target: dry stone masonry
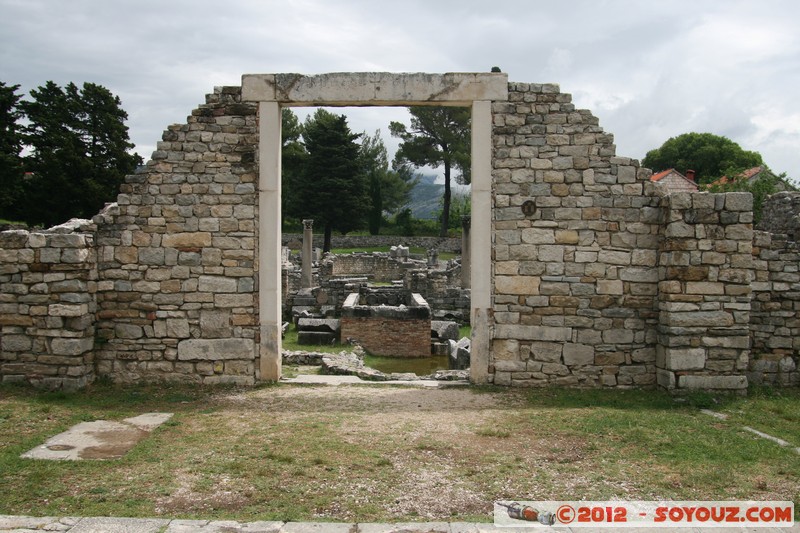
[582,272]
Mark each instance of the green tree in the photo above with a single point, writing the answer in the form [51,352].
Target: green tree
[293,158]
[766,184]
[11,170]
[79,152]
[332,189]
[437,136]
[389,189]
[709,155]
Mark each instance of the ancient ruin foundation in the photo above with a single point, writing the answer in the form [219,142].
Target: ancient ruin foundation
[402,330]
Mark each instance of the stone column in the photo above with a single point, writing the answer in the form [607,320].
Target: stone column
[269,240]
[466,222]
[306,280]
[481,241]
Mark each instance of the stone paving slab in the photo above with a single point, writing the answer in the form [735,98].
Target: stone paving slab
[98,439]
[28,524]
[320,379]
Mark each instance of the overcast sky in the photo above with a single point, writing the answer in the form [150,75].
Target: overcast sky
[648,69]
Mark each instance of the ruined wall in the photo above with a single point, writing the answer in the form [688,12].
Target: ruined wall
[775,312]
[176,288]
[379,267]
[388,330]
[598,280]
[451,244]
[705,269]
[781,214]
[47,307]
[575,243]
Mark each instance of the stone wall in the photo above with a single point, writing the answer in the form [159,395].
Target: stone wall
[47,307]
[775,311]
[705,269]
[781,214]
[379,267]
[597,279]
[575,243]
[177,293]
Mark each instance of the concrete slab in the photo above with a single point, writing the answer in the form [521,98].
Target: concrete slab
[99,439]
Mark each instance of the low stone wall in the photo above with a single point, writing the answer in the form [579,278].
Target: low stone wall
[388,330]
[448,244]
[47,307]
[775,311]
[380,267]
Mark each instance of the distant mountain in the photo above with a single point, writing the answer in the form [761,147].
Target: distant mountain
[426,196]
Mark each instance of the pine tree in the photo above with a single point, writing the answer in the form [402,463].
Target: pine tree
[11,170]
[438,136]
[79,152]
[332,189]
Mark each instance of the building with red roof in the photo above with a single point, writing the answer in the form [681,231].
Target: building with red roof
[673,181]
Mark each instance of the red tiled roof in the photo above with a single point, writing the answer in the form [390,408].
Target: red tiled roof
[662,174]
[747,174]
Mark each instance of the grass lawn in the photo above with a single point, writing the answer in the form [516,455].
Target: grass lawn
[371,453]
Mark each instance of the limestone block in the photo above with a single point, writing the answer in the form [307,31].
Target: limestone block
[216,349]
[71,346]
[548,352]
[712,382]
[128,331]
[698,319]
[15,343]
[578,354]
[67,309]
[609,286]
[685,359]
[217,284]
[375,87]
[197,239]
[523,285]
[506,350]
[177,328]
[534,333]
[739,201]
[704,287]
[618,336]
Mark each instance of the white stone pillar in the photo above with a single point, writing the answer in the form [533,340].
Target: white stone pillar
[269,240]
[466,279]
[481,240]
[306,280]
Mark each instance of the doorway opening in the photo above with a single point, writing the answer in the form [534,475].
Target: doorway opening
[274,91]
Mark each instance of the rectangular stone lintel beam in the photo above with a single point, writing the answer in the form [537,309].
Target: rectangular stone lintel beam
[375,88]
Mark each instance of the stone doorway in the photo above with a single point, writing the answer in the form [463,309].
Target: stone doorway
[274,91]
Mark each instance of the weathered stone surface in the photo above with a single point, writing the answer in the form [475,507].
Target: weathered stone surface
[215,349]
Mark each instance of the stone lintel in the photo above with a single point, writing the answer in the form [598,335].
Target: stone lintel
[375,88]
